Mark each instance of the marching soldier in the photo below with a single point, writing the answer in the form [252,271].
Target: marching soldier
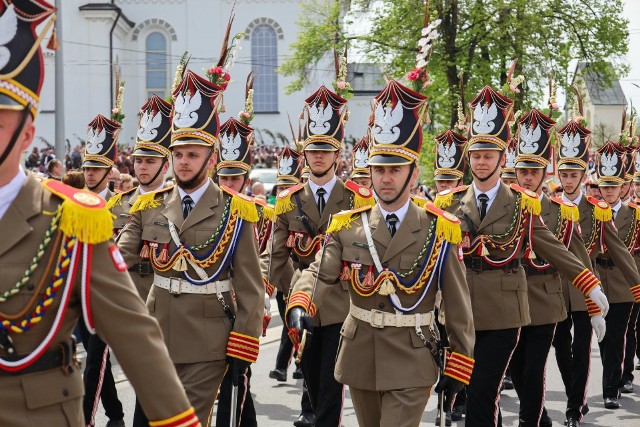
[393,257]
[501,226]
[619,275]
[207,299]
[360,172]
[303,213]
[508,174]
[59,263]
[544,287]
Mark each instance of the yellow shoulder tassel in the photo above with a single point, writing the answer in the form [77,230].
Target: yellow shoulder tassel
[602,214]
[268,213]
[449,231]
[419,201]
[530,204]
[284,205]
[360,202]
[114,201]
[443,201]
[245,209]
[144,202]
[88,225]
[570,213]
[637,213]
[338,222]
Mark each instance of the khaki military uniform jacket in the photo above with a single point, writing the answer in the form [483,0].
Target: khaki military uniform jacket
[195,326]
[389,358]
[619,278]
[499,297]
[336,306]
[117,312]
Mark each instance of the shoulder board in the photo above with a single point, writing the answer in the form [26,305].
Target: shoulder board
[343,219]
[447,225]
[445,197]
[116,200]
[601,209]
[529,201]
[267,211]
[148,200]
[568,210]
[84,215]
[283,200]
[242,205]
[361,196]
[419,201]
[636,209]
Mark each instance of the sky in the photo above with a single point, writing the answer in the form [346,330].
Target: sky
[631,82]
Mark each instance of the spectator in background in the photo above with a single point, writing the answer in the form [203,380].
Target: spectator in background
[55,170]
[74,178]
[33,161]
[114,180]
[76,157]
[125,183]
[257,190]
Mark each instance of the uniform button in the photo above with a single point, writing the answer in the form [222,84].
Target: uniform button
[65,392]
[155,237]
[30,287]
[381,305]
[176,295]
[357,257]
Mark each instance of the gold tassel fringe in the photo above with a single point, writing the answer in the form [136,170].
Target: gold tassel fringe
[601,214]
[284,205]
[445,201]
[360,202]
[88,225]
[180,264]
[530,204]
[114,201]
[569,213]
[449,231]
[245,209]
[144,202]
[386,288]
[338,222]
[483,250]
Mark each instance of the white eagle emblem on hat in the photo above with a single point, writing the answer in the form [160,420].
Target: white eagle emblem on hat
[446,155]
[529,139]
[484,115]
[230,143]
[319,117]
[95,140]
[511,159]
[386,122]
[569,144]
[148,129]
[609,164]
[361,158]
[186,107]
[8,31]
[284,166]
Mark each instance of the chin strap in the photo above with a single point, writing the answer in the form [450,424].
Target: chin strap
[16,134]
[404,187]
[193,180]
[320,175]
[100,182]
[164,160]
[492,173]
[577,187]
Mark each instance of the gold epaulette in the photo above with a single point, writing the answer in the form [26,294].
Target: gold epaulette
[116,200]
[601,209]
[361,196]
[83,214]
[568,210]
[421,202]
[529,201]
[444,199]
[447,225]
[636,209]
[242,205]
[148,200]
[283,201]
[343,219]
[268,211]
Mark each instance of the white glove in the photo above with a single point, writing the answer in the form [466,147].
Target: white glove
[599,326]
[600,299]
[267,302]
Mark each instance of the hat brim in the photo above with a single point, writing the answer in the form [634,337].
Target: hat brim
[571,166]
[231,171]
[95,164]
[484,145]
[529,165]
[147,153]
[320,146]
[446,177]
[181,142]
[510,175]
[360,175]
[388,160]
[287,182]
[609,184]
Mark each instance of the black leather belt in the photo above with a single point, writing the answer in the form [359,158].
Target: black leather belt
[478,264]
[63,357]
[142,267]
[531,271]
[605,262]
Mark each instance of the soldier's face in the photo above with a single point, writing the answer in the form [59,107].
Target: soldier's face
[9,121]
[93,176]
[146,167]
[363,182]
[320,160]
[509,181]
[636,189]
[484,163]
[611,194]
[188,161]
[446,184]
[570,180]
[235,182]
[530,178]
[389,180]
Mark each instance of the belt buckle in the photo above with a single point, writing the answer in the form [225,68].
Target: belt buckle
[377,319]
[175,290]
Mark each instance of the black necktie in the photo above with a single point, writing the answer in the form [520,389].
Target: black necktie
[484,201]
[392,220]
[321,202]
[187,205]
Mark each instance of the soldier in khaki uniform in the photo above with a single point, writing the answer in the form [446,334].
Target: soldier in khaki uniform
[360,172]
[59,263]
[508,172]
[619,276]
[303,213]
[544,287]
[393,258]
[500,228]
[192,234]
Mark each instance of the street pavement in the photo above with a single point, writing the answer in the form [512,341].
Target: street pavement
[278,403]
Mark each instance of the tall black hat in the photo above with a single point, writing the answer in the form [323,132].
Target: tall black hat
[610,164]
[535,133]
[234,152]
[289,166]
[573,152]
[491,113]
[102,136]
[449,155]
[154,129]
[360,159]
[509,169]
[324,114]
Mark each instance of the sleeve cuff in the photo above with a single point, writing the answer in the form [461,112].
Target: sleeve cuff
[635,290]
[187,418]
[459,367]
[268,287]
[592,308]
[302,300]
[586,281]
[243,347]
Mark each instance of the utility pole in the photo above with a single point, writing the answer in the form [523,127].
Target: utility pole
[60,141]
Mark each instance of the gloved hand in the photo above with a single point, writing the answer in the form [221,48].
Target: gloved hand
[599,326]
[267,302]
[300,320]
[237,367]
[598,297]
[451,387]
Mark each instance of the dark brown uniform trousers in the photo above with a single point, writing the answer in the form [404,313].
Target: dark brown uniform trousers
[612,348]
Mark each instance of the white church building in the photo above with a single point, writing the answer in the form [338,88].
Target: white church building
[147,37]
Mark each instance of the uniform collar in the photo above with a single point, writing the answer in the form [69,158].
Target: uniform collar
[142,191]
[9,191]
[196,195]
[328,187]
[576,201]
[400,213]
[490,193]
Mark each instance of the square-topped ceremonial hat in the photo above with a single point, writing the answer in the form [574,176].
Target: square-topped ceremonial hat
[195,111]
[100,149]
[489,128]
[289,166]
[21,60]
[396,131]
[360,159]
[573,152]
[234,150]
[509,169]
[324,115]
[610,164]
[629,154]
[449,155]
[154,129]
[535,133]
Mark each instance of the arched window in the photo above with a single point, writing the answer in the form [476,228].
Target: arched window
[156,63]
[264,59]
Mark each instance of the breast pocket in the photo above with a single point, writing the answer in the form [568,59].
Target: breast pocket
[156,232]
